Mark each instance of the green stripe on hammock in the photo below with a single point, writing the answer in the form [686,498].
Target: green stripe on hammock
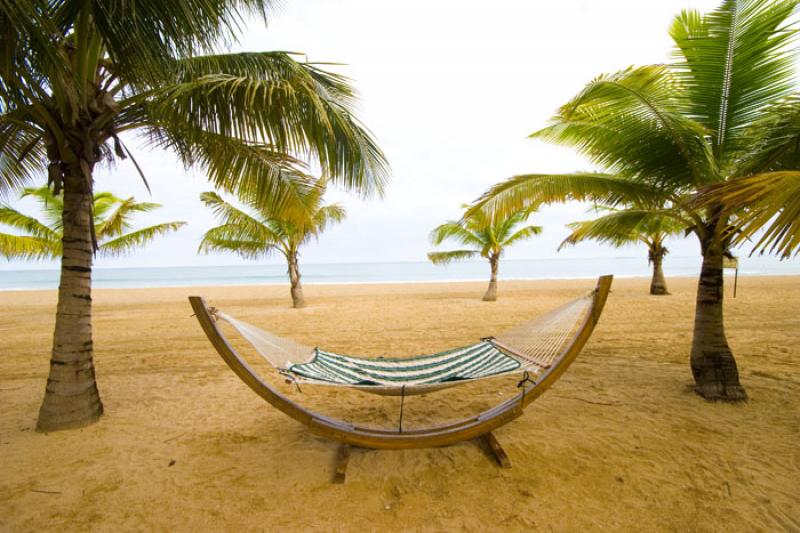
[469,362]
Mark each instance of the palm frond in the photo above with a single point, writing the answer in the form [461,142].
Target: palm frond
[11,217]
[443,258]
[267,179]
[456,231]
[22,154]
[228,238]
[142,38]
[52,206]
[521,235]
[629,123]
[768,202]
[137,239]
[28,248]
[532,190]
[774,140]
[116,222]
[627,226]
[270,98]
[327,216]
[733,63]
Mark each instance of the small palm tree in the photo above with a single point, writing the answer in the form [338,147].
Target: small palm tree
[487,236]
[265,232]
[631,226]
[42,239]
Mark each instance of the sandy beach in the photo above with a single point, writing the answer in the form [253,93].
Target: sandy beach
[620,443]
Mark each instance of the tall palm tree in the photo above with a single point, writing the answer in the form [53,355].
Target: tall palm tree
[264,232]
[486,235]
[662,133]
[75,75]
[630,226]
[41,239]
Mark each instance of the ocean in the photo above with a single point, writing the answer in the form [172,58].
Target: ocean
[399,272]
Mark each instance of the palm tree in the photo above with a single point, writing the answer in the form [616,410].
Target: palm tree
[486,235]
[264,232]
[75,75]
[630,226]
[663,133]
[112,225]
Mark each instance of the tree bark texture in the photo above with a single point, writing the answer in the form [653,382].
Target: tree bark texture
[71,397]
[491,291]
[298,300]
[658,285]
[713,365]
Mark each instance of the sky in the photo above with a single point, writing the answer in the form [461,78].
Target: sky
[450,89]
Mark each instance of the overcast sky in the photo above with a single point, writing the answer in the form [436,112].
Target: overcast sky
[451,89]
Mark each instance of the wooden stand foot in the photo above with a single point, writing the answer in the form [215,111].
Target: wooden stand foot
[342,458]
[497,450]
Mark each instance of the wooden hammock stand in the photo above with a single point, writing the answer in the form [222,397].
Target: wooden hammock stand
[479,426]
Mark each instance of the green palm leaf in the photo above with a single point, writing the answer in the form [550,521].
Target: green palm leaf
[133,240]
[28,224]
[732,63]
[630,124]
[27,247]
[626,227]
[531,190]
[455,230]
[769,201]
[296,107]
[522,234]
[443,258]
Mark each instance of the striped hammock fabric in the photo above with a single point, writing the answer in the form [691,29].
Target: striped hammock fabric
[475,361]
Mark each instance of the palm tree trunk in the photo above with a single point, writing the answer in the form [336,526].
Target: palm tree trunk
[298,300]
[71,397]
[713,365]
[658,285]
[491,291]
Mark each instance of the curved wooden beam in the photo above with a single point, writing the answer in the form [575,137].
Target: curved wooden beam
[442,435]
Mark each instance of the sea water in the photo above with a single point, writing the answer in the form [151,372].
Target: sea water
[398,272]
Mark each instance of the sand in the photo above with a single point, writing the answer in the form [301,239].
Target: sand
[620,443]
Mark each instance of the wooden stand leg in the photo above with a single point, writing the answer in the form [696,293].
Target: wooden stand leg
[497,450]
[342,458]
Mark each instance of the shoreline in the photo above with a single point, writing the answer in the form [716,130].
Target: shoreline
[400,282]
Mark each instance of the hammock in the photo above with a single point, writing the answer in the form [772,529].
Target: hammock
[529,347]
[545,347]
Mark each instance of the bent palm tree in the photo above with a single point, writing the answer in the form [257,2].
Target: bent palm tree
[112,226]
[663,133]
[630,226]
[74,75]
[261,234]
[487,237]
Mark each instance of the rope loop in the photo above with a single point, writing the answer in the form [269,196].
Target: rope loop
[526,378]
[290,378]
